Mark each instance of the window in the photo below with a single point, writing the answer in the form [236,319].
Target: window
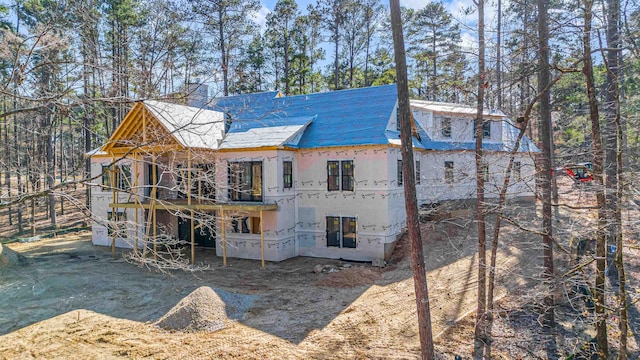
[399,172]
[206,177]
[119,174]
[486,129]
[485,172]
[418,172]
[202,182]
[245,181]
[245,225]
[398,119]
[448,172]
[341,232]
[517,171]
[287,174]
[117,225]
[340,175]
[446,127]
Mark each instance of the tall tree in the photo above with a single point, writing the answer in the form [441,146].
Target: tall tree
[411,204]
[122,16]
[251,71]
[545,133]
[598,172]
[281,26]
[301,59]
[229,24]
[433,37]
[333,17]
[480,337]
[355,40]
[373,15]
[313,30]
[613,160]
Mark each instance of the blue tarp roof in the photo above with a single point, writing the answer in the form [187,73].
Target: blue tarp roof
[341,118]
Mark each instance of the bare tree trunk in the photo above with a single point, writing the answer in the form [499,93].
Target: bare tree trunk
[622,282]
[7,163]
[598,172]
[613,161]
[17,165]
[499,55]
[413,220]
[51,176]
[545,166]
[223,53]
[61,161]
[480,337]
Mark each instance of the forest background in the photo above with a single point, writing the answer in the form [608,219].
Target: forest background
[69,72]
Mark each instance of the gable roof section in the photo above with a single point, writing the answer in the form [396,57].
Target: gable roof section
[192,127]
[152,122]
[509,131]
[457,109]
[340,118]
[265,133]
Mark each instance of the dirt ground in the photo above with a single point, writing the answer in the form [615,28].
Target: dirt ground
[72,300]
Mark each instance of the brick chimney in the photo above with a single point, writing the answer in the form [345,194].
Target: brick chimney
[197,94]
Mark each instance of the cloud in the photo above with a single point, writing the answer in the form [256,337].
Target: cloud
[413,4]
[260,17]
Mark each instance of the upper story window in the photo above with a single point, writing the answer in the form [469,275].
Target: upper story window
[399,172]
[205,181]
[340,175]
[448,172]
[517,171]
[202,181]
[418,176]
[287,174]
[245,181]
[486,129]
[117,176]
[446,127]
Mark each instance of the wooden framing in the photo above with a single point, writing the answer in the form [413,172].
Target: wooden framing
[133,140]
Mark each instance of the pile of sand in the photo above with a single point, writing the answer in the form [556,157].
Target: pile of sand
[9,257]
[202,310]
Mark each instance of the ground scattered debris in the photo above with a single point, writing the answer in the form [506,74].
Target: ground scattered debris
[202,310]
[379,263]
[350,277]
[325,269]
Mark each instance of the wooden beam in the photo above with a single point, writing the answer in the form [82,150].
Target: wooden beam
[114,215]
[154,195]
[261,239]
[168,205]
[144,127]
[135,186]
[118,132]
[193,240]
[224,239]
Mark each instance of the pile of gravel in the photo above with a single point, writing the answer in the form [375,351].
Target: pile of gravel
[9,257]
[202,310]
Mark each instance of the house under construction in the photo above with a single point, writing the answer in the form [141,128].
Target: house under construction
[267,177]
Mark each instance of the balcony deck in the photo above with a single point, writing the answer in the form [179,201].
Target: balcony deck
[183,204]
